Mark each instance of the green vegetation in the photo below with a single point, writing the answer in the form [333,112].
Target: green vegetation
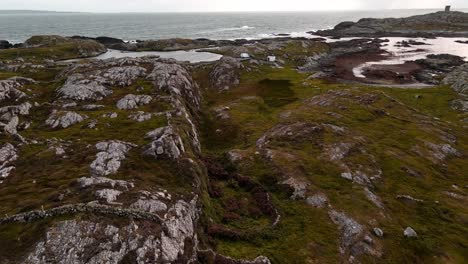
[389,126]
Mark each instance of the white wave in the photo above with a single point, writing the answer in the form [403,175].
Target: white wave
[227,29]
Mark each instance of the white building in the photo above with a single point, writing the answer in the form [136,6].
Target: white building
[245,55]
[271,58]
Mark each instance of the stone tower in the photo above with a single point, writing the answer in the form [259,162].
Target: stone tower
[447,8]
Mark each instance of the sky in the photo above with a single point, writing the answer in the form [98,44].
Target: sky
[221,5]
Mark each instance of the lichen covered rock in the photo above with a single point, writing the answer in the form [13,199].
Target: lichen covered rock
[78,87]
[165,143]
[132,101]
[109,159]
[64,119]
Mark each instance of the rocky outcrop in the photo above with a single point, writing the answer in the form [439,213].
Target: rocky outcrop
[84,48]
[226,73]
[110,157]
[132,101]
[90,242]
[448,24]
[78,87]
[4,44]
[175,80]
[64,119]
[165,142]
[8,154]
[103,181]
[458,80]
[124,76]
[351,230]
[9,88]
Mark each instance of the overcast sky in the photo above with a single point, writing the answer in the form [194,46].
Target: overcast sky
[220,5]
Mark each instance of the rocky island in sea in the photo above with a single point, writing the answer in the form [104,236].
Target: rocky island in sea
[345,148]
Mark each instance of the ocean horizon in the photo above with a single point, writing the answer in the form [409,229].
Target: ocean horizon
[19,25]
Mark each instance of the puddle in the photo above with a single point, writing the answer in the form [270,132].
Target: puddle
[191,56]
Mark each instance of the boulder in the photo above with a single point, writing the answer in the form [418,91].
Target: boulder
[378,232]
[165,142]
[78,87]
[226,73]
[141,116]
[64,119]
[124,76]
[9,88]
[109,159]
[458,80]
[131,101]
[441,62]
[409,232]
[8,154]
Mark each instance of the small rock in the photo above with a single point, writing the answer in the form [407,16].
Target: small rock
[378,232]
[409,232]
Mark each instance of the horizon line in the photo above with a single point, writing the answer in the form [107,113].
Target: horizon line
[223,11]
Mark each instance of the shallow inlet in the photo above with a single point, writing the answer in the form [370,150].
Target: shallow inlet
[400,55]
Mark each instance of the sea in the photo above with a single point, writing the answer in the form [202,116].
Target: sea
[17,26]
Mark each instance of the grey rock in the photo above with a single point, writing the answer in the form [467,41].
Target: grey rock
[409,232]
[10,127]
[141,116]
[165,143]
[338,151]
[175,80]
[78,87]
[8,112]
[71,241]
[299,187]
[111,115]
[103,181]
[92,107]
[350,229]
[408,198]
[378,232]
[9,88]
[319,200]
[373,198]
[132,101]
[8,154]
[226,73]
[124,76]
[109,159]
[109,195]
[149,205]
[458,80]
[64,119]
[180,225]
